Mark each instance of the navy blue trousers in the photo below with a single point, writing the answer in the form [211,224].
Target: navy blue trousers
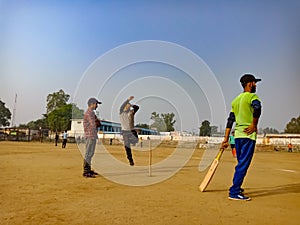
[244,153]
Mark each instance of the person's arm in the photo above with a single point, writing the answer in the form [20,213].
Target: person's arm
[97,122]
[256,114]
[230,121]
[125,103]
[135,108]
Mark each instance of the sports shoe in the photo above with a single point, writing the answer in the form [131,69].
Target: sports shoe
[93,172]
[89,175]
[239,197]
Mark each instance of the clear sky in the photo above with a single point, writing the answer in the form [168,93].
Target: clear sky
[48,45]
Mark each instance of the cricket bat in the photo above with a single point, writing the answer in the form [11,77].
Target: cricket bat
[211,171]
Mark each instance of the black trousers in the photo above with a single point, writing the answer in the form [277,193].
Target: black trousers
[64,143]
[129,137]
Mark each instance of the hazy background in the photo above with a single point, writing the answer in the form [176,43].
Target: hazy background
[48,45]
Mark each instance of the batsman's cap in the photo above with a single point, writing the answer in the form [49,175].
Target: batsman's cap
[93,101]
[246,78]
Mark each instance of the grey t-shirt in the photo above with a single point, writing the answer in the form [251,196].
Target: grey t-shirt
[127,117]
[127,120]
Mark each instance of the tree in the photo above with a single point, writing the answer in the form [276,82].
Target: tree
[5,115]
[142,125]
[169,121]
[293,126]
[60,119]
[163,122]
[37,124]
[59,113]
[270,131]
[205,129]
[214,129]
[22,126]
[56,100]
[76,112]
[158,123]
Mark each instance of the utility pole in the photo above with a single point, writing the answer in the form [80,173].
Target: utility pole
[14,112]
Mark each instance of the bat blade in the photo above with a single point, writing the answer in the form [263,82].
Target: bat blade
[211,171]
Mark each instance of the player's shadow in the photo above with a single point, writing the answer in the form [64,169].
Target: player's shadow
[277,190]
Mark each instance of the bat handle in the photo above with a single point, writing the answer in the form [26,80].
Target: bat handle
[220,154]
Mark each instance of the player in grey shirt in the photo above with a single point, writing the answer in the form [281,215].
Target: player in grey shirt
[127,112]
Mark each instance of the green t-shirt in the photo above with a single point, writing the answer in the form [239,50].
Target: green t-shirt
[231,140]
[243,111]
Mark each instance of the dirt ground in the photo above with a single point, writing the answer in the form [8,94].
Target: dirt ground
[43,184]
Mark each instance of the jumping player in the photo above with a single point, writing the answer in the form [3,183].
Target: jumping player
[127,112]
[245,112]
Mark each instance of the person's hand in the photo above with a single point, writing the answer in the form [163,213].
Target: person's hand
[130,98]
[97,122]
[250,129]
[225,144]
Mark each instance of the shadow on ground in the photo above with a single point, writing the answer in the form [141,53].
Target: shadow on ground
[277,190]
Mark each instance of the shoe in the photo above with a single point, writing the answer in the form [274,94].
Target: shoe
[93,172]
[89,175]
[131,163]
[239,197]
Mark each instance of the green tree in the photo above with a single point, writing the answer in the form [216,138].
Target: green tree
[293,126]
[205,129]
[22,126]
[60,119]
[5,115]
[163,122]
[35,125]
[76,112]
[169,121]
[142,125]
[270,131]
[56,100]
[158,123]
[214,129]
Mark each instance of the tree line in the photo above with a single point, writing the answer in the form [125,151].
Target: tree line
[57,117]
[59,114]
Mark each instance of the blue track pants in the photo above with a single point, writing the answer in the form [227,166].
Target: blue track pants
[244,153]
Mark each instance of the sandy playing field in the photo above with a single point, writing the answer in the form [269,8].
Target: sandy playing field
[43,184]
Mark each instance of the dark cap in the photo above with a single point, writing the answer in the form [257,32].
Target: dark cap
[246,78]
[93,101]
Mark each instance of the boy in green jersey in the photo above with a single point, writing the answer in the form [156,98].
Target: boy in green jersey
[245,112]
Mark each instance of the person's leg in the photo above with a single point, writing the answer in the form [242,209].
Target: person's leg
[89,153]
[244,152]
[126,138]
[64,143]
[233,151]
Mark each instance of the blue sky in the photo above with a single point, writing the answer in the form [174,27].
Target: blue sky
[48,45]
